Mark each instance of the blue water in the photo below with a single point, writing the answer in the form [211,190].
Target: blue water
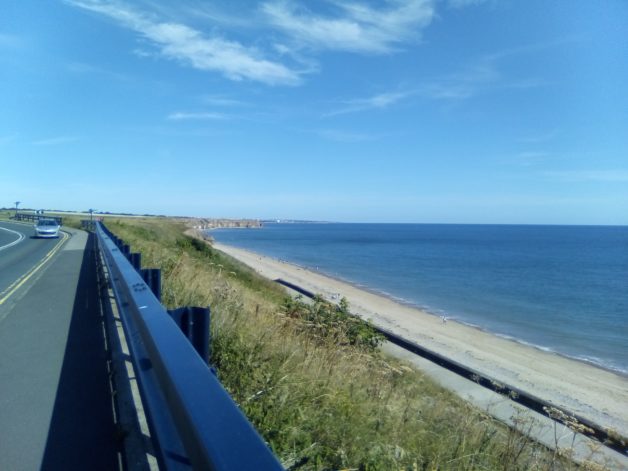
[560,288]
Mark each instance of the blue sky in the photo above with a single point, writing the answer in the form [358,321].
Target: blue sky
[463,111]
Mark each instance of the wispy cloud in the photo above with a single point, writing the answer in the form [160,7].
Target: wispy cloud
[53,141]
[526,83]
[181,116]
[83,68]
[539,138]
[355,28]
[179,42]
[464,84]
[380,101]
[533,157]
[533,48]
[456,86]
[226,14]
[464,3]
[483,74]
[618,175]
[219,100]
[532,154]
[344,136]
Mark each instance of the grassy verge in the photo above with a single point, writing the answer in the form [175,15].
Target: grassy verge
[5,215]
[312,380]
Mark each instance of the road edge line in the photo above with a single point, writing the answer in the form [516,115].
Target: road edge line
[6,294]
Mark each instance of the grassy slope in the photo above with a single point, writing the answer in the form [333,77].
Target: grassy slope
[321,400]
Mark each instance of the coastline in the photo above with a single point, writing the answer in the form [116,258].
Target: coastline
[439,315]
[593,392]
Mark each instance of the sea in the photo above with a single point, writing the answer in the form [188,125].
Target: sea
[562,289]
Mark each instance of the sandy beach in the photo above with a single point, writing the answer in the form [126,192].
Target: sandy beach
[591,392]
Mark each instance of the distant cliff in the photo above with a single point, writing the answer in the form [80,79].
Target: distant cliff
[205,223]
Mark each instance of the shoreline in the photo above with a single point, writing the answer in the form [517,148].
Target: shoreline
[426,310]
[592,391]
[623,373]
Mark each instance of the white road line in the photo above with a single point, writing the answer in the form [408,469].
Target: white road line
[19,239]
[6,294]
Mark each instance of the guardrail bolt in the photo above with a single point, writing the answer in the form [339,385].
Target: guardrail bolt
[139,287]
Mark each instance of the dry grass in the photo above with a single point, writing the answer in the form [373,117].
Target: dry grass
[320,401]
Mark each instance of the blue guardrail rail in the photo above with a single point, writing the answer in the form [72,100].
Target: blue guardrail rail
[193,421]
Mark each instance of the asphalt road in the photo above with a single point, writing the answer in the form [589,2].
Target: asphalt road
[9,237]
[55,405]
[17,259]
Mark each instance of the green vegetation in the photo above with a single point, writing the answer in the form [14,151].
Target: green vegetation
[72,221]
[311,378]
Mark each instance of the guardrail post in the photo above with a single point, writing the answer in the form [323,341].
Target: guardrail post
[152,277]
[194,323]
[136,260]
[87,225]
[200,334]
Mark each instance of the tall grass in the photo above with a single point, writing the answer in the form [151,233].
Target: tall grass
[314,383]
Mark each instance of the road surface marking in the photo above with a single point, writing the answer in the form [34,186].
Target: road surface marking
[6,294]
[11,244]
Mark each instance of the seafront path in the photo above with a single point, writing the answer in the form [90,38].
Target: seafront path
[55,404]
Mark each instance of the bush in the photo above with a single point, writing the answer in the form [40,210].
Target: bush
[326,321]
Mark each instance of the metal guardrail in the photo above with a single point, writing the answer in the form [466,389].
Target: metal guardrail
[193,421]
[36,217]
